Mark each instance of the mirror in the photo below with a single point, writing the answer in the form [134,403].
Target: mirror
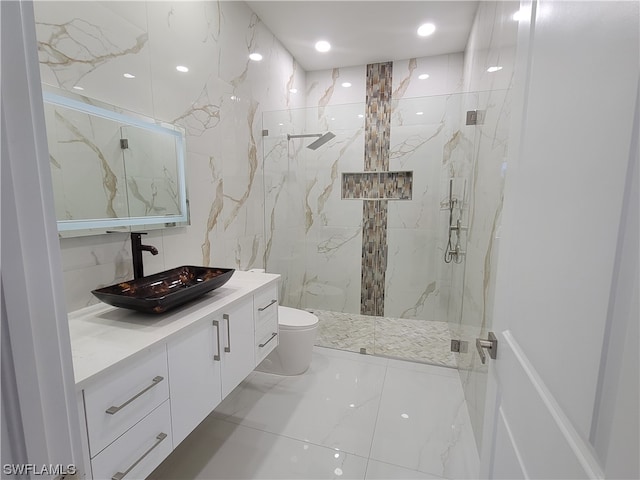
[113,170]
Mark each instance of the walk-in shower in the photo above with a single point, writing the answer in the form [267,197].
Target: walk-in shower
[322,205]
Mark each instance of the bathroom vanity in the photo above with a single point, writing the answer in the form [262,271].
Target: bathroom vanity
[144,382]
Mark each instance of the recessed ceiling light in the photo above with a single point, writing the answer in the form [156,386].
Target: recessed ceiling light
[419,113]
[346,84]
[426,29]
[323,46]
[128,75]
[293,90]
[78,87]
[360,115]
[424,76]
[493,69]
[256,57]
[182,69]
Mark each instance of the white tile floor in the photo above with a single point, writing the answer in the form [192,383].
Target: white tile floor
[348,416]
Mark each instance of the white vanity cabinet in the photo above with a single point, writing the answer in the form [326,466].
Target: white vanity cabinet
[207,362]
[236,342]
[125,397]
[194,377]
[128,418]
[144,383]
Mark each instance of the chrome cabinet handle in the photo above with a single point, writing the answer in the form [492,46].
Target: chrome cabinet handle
[216,324]
[264,308]
[228,348]
[120,475]
[273,335]
[113,409]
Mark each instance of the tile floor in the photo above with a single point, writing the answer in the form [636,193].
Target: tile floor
[349,416]
[416,340]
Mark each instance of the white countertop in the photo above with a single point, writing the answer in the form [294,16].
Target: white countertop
[102,336]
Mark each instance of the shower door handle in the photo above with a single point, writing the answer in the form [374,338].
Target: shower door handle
[491,345]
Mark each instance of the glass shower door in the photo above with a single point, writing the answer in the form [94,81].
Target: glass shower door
[423,279]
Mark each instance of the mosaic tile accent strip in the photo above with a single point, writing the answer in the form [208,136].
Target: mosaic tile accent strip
[374,257]
[408,339]
[377,140]
[377,185]
[378,116]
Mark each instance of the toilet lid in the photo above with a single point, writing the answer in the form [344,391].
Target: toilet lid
[292,317]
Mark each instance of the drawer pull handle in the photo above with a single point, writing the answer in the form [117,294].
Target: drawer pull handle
[226,317]
[216,324]
[113,409]
[264,308]
[273,335]
[120,475]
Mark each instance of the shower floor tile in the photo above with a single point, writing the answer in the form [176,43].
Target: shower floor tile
[408,339]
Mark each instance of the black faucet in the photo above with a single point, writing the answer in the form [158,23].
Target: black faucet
[136,253]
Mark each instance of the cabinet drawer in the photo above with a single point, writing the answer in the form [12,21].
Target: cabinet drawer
[266,339]
[139,451]
[123,398]
[266,307]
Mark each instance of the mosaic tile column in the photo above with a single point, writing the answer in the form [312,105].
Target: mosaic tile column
[374,212]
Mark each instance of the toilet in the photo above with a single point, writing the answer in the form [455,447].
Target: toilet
[297,332]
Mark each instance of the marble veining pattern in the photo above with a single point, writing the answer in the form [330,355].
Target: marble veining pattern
[417,340]
[79,42]
[218,103]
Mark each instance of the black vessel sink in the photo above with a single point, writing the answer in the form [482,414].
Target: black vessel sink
[165,290]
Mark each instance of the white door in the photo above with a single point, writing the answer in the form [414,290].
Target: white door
[569,252]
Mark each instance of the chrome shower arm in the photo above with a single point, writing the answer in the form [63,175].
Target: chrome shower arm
[304,135]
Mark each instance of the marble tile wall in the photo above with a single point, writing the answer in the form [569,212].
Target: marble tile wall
[323,267]
[219,103]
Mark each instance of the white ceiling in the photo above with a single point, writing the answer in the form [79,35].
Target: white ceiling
[362,32]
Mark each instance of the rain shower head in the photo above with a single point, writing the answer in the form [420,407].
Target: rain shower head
[323,138]
[321,141]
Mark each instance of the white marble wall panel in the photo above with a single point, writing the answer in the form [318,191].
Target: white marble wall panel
[412,271]
[324,173]
[219,102]
[445,76]
[325,87]
[303,196]
[333,262]
[91,45]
